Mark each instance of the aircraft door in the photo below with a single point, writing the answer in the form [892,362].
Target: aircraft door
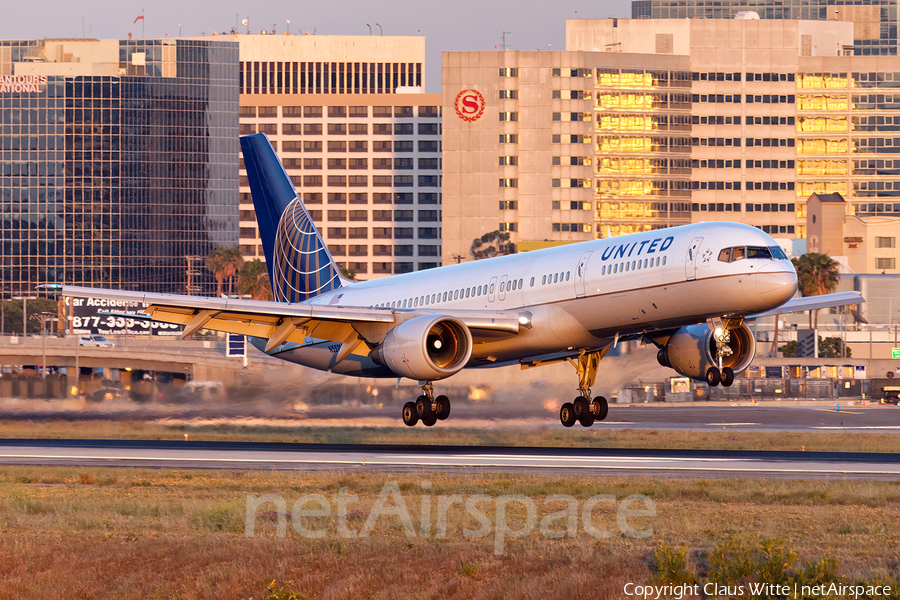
[692,260]
[580,274]
[504,281]
[492,289]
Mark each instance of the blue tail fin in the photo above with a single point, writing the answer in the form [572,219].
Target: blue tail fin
[300,265]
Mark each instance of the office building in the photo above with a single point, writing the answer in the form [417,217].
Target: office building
[863,242]
[359,139]
[644,124]
[119,161]
[874,21]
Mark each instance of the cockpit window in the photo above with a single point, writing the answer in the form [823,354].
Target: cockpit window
[778,252]
[741,252]
[758,252]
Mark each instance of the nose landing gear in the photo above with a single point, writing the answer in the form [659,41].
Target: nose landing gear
[584,409]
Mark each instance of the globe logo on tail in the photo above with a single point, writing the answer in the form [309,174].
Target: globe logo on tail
[303,266]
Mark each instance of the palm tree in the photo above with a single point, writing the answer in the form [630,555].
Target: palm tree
[817,274]
[234,261]
[253,280]
[224,264]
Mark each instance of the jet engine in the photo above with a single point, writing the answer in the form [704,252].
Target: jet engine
[426,348]
[692,350]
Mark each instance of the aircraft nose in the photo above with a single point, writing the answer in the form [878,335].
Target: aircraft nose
[776,287]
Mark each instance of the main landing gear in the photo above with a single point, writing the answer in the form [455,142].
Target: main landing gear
[722,334]
[427,408]
[584,409]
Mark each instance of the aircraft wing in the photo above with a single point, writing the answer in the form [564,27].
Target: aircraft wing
[285,322]
[805,303]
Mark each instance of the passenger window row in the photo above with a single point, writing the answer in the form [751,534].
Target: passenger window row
[633,265]
[740,252]
[470,292]
[553,278]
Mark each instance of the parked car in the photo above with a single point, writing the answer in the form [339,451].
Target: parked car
[95,340]
[890,394]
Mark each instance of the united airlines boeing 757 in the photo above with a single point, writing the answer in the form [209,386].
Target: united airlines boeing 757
[689,290]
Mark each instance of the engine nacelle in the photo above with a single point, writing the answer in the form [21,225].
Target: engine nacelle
[426,348]
[692,350]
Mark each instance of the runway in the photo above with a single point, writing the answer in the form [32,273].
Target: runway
[739,416]
[426,459]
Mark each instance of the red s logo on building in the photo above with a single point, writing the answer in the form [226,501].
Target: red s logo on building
[469,105]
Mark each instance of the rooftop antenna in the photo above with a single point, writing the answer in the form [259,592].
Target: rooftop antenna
[370,28]
[503,45]
[246,23]
[179,30]
[380,30]
[288,26]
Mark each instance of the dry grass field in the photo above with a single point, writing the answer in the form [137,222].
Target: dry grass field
[493,436]
[97,533]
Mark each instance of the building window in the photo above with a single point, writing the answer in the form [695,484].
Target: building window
[508,72]
[509,138]
[885,263]
[337,233]
[358,181]
[382,233]
[509,116]
[509,183]
[509,94]
[337,198]
[382,146]
[511,160]
[312,129]
[885,242]
[508,227]
[337,111]
[359,233]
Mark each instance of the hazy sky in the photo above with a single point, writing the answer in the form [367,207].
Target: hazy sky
[448,25]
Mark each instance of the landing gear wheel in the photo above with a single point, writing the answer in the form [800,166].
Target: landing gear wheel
[443,407]
[582,407]
[410,416]
[429,420]
[586,419]
[713,376]
[567,414]
[423,407]
[600,408]
[727,376]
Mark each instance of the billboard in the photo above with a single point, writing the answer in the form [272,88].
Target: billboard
[88,318]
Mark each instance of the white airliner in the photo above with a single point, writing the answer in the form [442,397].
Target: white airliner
[688,290]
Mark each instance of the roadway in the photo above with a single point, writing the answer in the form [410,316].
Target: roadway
[426,459]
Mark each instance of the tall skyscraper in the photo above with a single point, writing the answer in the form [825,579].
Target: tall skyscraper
[119,160]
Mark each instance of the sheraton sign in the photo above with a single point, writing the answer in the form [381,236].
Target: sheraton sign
[22,83]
